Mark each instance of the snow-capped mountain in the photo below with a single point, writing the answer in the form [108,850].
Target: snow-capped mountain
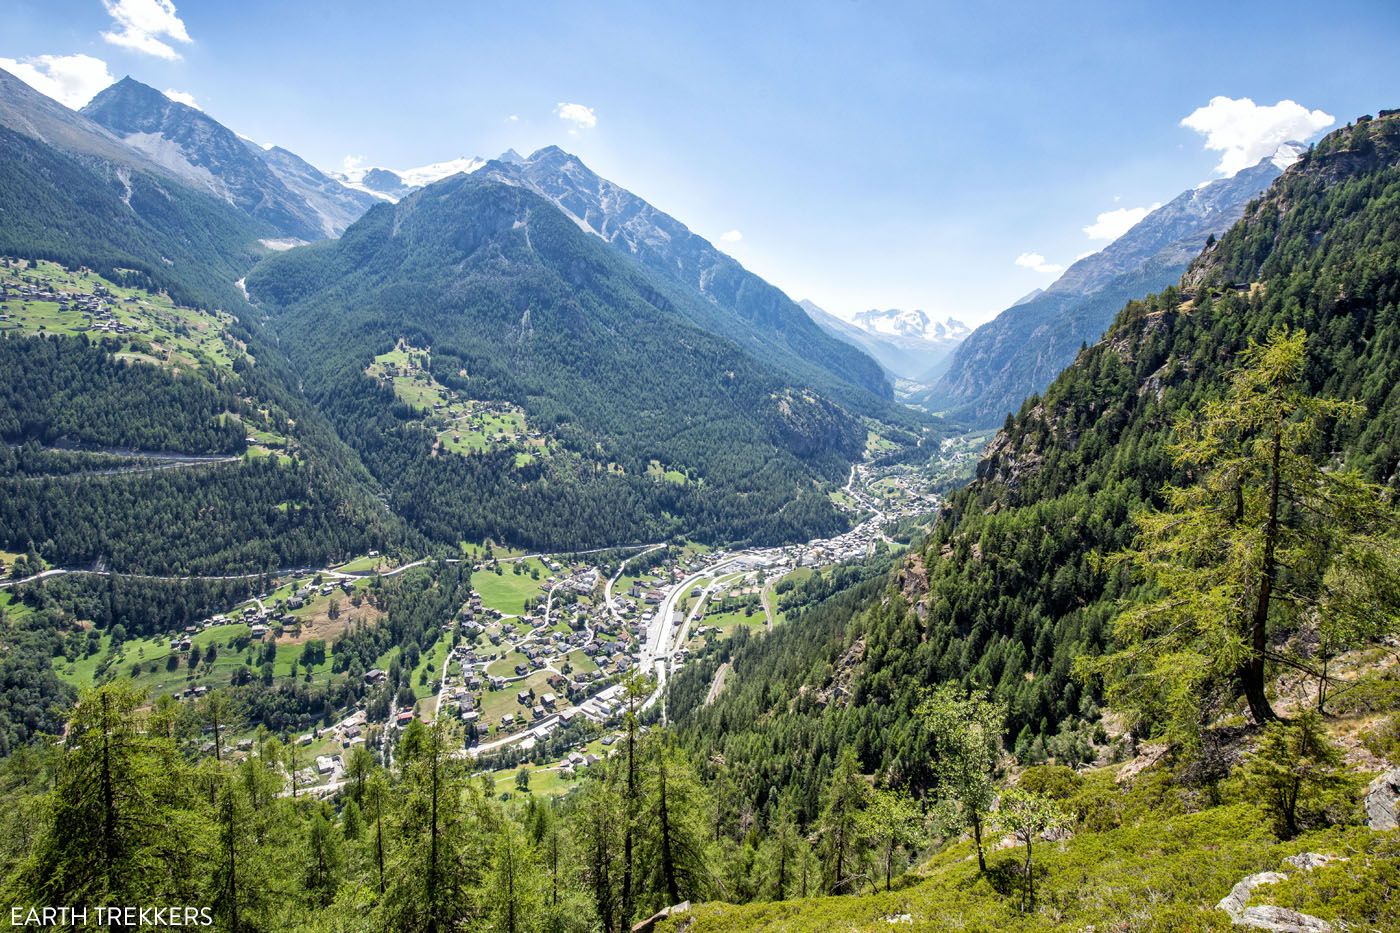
[907,344]
[912,324]
[391,184]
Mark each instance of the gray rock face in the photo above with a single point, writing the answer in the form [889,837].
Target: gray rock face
[206,154]
[1382,798]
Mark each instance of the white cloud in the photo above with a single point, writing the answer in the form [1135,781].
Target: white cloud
[1037,263]
[582,118]
[182,97]
[141,24]
[731,236]
[513,118]
[72,80]
[1245,132]
[1110,225]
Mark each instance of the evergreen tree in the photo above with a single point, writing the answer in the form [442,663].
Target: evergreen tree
[1293,771]
[513,897]
[842,844]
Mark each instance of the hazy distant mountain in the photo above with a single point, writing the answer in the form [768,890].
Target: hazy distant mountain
[738,304]
[1021,350]
[337,205]
[908,344]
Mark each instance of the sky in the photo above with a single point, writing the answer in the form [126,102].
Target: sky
[943,156]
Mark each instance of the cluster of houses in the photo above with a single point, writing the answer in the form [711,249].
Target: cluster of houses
[95,306]
[453,408]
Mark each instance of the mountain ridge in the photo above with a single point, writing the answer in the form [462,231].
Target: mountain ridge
[1018,352]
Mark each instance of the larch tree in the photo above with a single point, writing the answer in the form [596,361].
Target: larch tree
[842,844]
[1265,538]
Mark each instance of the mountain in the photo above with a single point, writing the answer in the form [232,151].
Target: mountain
[74,192]
[907,344]
[736,303]
[181,367]
[336,205]
[1017,353]
[293,198]
[512,304]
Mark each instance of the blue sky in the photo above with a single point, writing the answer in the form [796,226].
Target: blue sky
[866,154]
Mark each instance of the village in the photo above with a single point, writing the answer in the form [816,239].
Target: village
[38,296]
[463,425]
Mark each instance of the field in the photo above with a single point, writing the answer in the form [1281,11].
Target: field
[496,703]
[658,472]
[507,591]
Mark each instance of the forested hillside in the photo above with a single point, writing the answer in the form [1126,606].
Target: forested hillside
[519,306]
[1011,587]
[734,302]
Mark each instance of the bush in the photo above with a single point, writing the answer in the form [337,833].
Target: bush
[1057,782]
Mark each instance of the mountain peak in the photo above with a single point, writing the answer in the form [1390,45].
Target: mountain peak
[549,154]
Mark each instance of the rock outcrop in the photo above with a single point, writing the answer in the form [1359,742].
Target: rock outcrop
[1268,917]
[1382,798]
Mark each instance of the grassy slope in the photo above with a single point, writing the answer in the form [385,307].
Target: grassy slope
[1162,869]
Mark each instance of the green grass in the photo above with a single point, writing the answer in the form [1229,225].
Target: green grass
[727,622]
[463,426]
[432,663]
[657,471]
[14,610]
[361,564]
[496,703]
[508,591]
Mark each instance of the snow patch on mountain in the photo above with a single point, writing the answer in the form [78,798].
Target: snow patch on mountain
[913,324]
